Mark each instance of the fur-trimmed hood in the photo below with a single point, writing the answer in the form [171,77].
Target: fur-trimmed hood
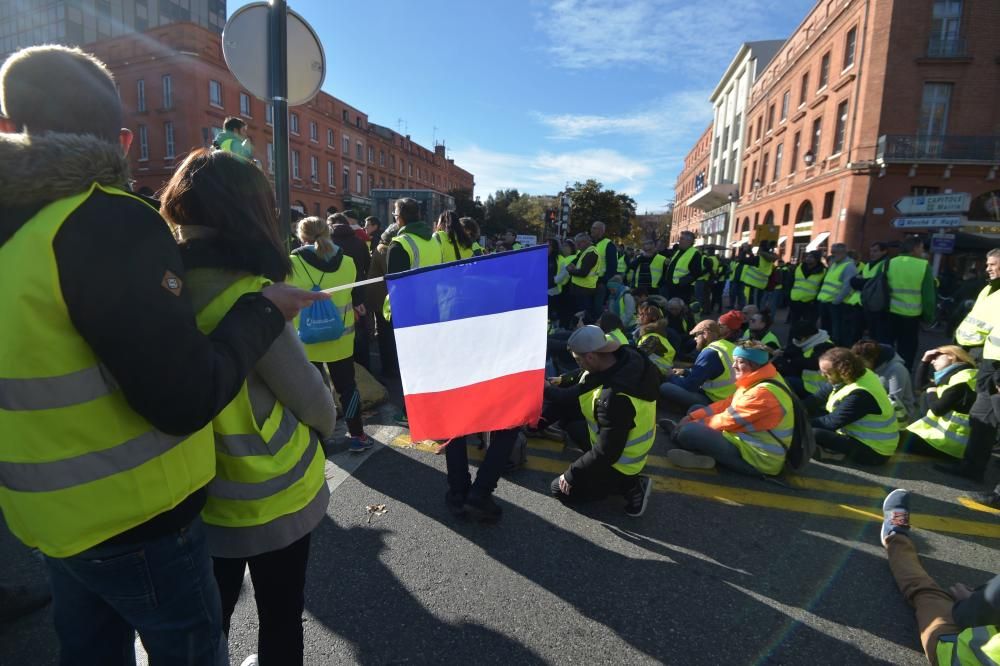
[41,168]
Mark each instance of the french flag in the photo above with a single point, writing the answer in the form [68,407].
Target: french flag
[470,336]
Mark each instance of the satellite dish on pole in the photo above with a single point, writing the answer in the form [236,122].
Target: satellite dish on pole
[244,46]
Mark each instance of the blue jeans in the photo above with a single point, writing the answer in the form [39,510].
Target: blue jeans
[701,438]
[164,589]
[679,399]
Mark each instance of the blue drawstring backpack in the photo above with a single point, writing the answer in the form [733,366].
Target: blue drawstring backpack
[321,321]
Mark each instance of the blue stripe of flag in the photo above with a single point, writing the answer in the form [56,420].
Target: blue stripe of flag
[472,287]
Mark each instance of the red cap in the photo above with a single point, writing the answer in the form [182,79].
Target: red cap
[733,320]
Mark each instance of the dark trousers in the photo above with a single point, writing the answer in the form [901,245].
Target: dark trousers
[826,317]
[857,452]
[738,293]
[362,350]
[983,422]
[877,327]
[600,297]
[342,376]
[799,311]
[497,454]
[846,328]
[386,346]
[717,289]
[279,581]
[685,292]
[905,334]
[583,301]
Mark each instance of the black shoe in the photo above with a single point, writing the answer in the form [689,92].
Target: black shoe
[990,499]
[961,469]
[483,509]
[21,600]
[668,427]
[637,497]
[455,503]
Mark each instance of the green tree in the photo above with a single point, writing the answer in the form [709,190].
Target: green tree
[466,206]
[590,203]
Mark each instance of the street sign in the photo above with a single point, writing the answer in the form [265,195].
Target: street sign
[957,202]
[929,222]
[943,243]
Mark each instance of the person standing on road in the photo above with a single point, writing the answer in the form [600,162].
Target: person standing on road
[607,267]
[808,280]
[270,489]
[647,267]
[912,298]
[876,324]
[109,387]
[583,273]
[956,627]
[683,269]
[835,295]
[614,395]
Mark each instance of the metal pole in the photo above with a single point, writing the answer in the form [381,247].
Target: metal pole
[277,49]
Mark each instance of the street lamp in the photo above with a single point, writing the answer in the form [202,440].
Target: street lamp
[756,183]
[809,158]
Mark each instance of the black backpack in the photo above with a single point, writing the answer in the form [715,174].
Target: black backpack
[875,295]
[803,445]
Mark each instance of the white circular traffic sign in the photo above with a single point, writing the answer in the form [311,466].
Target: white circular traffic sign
[244,46]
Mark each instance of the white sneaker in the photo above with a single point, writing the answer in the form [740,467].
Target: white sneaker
[690,459]
[250,661]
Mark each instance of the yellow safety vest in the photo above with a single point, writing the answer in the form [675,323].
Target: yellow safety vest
[723,386]
[766,450]
[812,380]
[78,465]
[804,289]
[618,336]
[622,266]
[879,432]
[263,471]
[854,296]
[588,281]
[949,433]
[906,278]
[639,439]
[975,646]
[601,247]
[713,266]
[833,280]
[449,250]
[306,277]
[665,362]
[757,276]
[769,338]
[682,264]
[976,327]
[655,271]
[421,252]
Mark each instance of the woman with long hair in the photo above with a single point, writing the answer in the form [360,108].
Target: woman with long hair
[321,264]
[270,490]
[472,231]
[453,238]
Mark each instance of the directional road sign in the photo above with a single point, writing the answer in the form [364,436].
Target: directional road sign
[929,222]
[957,202]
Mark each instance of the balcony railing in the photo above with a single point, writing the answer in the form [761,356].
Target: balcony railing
[946,148]
[948,47]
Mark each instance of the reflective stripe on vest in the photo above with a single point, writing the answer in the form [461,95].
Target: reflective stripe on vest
[906,276]
[618,336]
[588,281]
[949,433]
[682,264]
[832,282]
[976,327]
[757,276]
[805,289]
[601,248]
[723,386]
[880,432]
[662,362]
[639,439]
[764,450]
[74,449]
[263,471]
[813,380]
[975,646]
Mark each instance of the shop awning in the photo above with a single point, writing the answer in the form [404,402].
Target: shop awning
[817,241]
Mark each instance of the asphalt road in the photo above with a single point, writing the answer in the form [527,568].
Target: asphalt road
[720,570]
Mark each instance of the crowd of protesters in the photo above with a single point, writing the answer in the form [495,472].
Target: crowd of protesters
[210,451]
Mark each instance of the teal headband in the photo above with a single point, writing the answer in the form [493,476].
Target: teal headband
[758,356]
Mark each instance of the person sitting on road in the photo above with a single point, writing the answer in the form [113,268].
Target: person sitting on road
[651,340]
[620,301]
[887,364]
[950,396]
[860,423]
[798,362]
[613,328]
[750,431]
[613,398]
[956,627]
[759,328]
[735,325]
[710,379]
[679,321]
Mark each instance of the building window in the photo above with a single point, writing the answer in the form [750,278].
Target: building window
[410,169]
[313,131]
[763,168]
[841,128]
[314,168]
[215,93]
[343,115]
[359,150]
[296,168]
[784,104]
[143,143]
[850,44]
[923,190]
[946,27]
[371,154]
[817,137]
[357,121]
[140,95]
[168,92]
[796,144]
[770,118]
[268,113]
[359,181]
[168,135]
[347,172]
[244,104]
[330,140]
[331,179]
[760,125]
[270,158]
[293,123]
[381,158]
[804,94]
[824,71]
[779,152]
[828,205]
[371,183]
[346,141]
[934,109]
[785,214]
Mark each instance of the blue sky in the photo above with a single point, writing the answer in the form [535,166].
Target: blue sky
[533,94]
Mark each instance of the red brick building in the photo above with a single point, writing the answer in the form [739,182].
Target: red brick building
[177,91]
[868,102]
[693,178]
